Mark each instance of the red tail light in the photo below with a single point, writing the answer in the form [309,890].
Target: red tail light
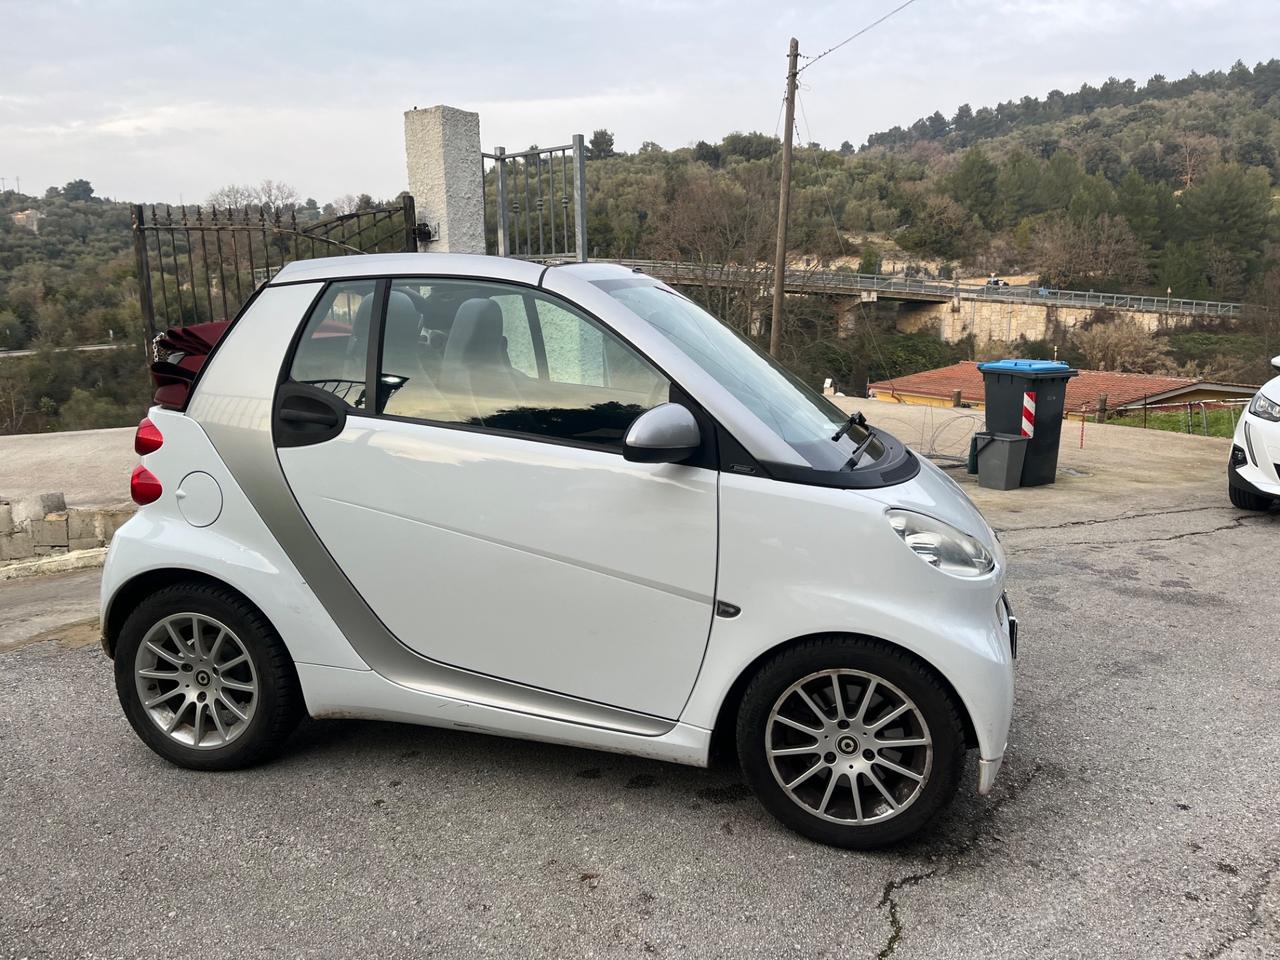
[148,439]
[143,486]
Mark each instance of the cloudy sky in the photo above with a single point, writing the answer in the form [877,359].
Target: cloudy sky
[169,100]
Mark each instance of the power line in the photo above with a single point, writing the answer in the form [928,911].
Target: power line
[874,23]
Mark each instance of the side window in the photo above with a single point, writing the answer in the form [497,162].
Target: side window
[332,354]
[505,358]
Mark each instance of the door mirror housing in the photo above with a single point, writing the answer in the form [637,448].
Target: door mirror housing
[666,434]
[1275,363]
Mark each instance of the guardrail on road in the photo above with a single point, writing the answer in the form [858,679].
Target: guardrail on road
[839,282]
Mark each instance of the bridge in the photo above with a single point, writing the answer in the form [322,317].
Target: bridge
[848,283]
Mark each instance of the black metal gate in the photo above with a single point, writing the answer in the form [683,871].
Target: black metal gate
[197,264]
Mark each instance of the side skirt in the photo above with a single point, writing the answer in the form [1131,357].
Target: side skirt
[335,693]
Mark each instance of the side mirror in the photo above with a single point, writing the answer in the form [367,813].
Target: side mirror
[666,434]
[1275,362]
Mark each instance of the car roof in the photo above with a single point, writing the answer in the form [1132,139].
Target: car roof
[409,264]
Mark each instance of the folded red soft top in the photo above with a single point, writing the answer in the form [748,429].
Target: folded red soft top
[180,353]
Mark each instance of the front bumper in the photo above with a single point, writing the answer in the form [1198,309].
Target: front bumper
[1260,472]
[987,770]
[989,767]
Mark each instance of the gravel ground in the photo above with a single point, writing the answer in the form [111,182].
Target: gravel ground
[1136,816]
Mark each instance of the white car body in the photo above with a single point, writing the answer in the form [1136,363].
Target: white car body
[541,590]
[1255,464]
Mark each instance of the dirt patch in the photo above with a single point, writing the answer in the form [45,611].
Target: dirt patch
[70,636]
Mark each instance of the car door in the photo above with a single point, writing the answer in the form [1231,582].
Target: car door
[478,499]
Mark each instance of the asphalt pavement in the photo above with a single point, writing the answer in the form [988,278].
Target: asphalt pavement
[1137,814]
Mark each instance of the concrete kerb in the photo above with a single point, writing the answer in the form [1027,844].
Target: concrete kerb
[56,563]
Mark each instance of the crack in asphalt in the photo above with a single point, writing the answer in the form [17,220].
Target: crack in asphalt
[888,899]
[1235,524]
[952,859]
[1254,898]
[1119,519]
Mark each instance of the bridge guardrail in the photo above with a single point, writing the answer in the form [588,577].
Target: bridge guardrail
[836,281]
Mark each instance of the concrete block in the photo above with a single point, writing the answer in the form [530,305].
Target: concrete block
[48,533]
[82,524]
[15,546]
[442,149]
[107,522]
[37,506]
[6,517]
[49,549]
[84,543]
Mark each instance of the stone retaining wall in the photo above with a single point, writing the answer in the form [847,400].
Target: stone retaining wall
[41,525]
[991,320]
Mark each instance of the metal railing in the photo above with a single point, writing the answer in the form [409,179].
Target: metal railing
[535,202]
[841,282]
[198,263]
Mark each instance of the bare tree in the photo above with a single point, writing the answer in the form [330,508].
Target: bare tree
[1195,152]
[347,203]
[275,194]
[725,227]
[1118,343]
[1067,252]
[15,398]
[232,195]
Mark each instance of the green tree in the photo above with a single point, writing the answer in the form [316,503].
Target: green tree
[78,190]
[941,228]
[870,260]
[1230,206]
[749,146]
[973,185]
[601,145]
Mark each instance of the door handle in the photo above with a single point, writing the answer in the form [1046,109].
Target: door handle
[327,418]
[305,414]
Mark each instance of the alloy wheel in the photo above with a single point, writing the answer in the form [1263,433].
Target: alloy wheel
[196,681]
[848,746]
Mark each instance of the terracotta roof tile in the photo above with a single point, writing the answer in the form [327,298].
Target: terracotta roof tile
[1082,391]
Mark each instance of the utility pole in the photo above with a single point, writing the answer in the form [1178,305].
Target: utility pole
[784,201]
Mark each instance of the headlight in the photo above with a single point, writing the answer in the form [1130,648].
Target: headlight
[941,545]
[1264,408]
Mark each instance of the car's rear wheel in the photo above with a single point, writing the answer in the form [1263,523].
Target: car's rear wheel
[203,678]
[1247,499]
[850,742]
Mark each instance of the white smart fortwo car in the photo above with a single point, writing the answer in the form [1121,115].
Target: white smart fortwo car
[1253,473]
[560,503]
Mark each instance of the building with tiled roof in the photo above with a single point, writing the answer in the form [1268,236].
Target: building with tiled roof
[938,388]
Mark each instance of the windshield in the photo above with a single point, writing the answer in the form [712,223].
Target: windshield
[797,413]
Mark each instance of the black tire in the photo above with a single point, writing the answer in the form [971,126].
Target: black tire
[881,660]
[1248,500]
[279,705]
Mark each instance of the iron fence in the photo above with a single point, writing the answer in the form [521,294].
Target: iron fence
[535,202]
[197,264]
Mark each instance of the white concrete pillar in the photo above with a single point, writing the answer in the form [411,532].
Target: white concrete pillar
[442,149]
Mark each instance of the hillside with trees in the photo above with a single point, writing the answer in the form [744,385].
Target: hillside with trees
[1168,187]
[1164,186]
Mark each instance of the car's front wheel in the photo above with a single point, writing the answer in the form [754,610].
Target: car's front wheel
[203,678]
[850,742]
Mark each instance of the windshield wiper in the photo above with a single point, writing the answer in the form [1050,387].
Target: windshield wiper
[857,451]
[856,419]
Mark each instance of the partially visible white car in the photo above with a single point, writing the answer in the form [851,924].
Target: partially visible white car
[1253,475]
